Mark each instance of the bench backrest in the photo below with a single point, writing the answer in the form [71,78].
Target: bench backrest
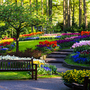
[16,64]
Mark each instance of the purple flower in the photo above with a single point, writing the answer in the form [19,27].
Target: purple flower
[12,45]
[4,49]
[49,48]
[42,46]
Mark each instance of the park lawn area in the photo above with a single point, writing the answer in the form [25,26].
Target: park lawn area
[70,61]
[22,76]
[23,45]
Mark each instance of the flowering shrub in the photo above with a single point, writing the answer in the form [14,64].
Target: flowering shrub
[79,59]
[45,45]
[80,46]
[81,43]
[76,76]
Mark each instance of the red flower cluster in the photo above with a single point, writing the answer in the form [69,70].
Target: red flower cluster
[53,43]
[5,43]
[85,32]
[24,35]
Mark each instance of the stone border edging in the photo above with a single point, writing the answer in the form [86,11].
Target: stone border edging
[74,66]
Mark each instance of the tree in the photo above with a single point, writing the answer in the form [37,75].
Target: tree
[64,14]
[85,14]
[80,12]
[68,11]
[19,17]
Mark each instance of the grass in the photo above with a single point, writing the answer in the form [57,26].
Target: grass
[23,45]
[14,75]
[22,76]
[68,60]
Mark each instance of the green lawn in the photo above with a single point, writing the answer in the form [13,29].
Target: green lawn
[22,76]
[29,44]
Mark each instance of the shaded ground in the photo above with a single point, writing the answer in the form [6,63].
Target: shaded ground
[40,84]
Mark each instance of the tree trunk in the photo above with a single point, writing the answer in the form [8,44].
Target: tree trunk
[30,5]
[85,14]
[73,13]
[47,14]
[42,11]
[37,12]
[50,10]
[22,2]
[1,2]
[50,13]
[64,14]
[68,11]
[16,2]
[31,13]
[17,40]
[80,12]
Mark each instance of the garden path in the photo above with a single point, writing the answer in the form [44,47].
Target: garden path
[40,84]
[56,58]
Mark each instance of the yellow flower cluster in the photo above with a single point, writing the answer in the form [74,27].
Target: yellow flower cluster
[76,76]
[38,63]
[6,40]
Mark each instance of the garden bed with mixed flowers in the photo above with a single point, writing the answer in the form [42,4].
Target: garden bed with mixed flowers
[42,67]
[6,44]
[76,76]
[81,56]
[79,42]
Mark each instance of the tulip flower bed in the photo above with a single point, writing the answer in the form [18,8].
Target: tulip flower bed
[47,45]
[50,36]
[31,36]
[36,36]
[85,32]
[81,52]
[76,76]
[42,69]
[6,44]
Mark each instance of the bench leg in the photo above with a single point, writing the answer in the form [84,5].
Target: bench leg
[32,74]
[36,75]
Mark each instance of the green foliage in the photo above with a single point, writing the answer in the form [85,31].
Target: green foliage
[76,76]
[58,27]
[82,48]
[27,53]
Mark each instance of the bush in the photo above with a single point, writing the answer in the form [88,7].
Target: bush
[27,53]
[76,76]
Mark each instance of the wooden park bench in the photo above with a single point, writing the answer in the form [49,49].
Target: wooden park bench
[19,65]
[84,86]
